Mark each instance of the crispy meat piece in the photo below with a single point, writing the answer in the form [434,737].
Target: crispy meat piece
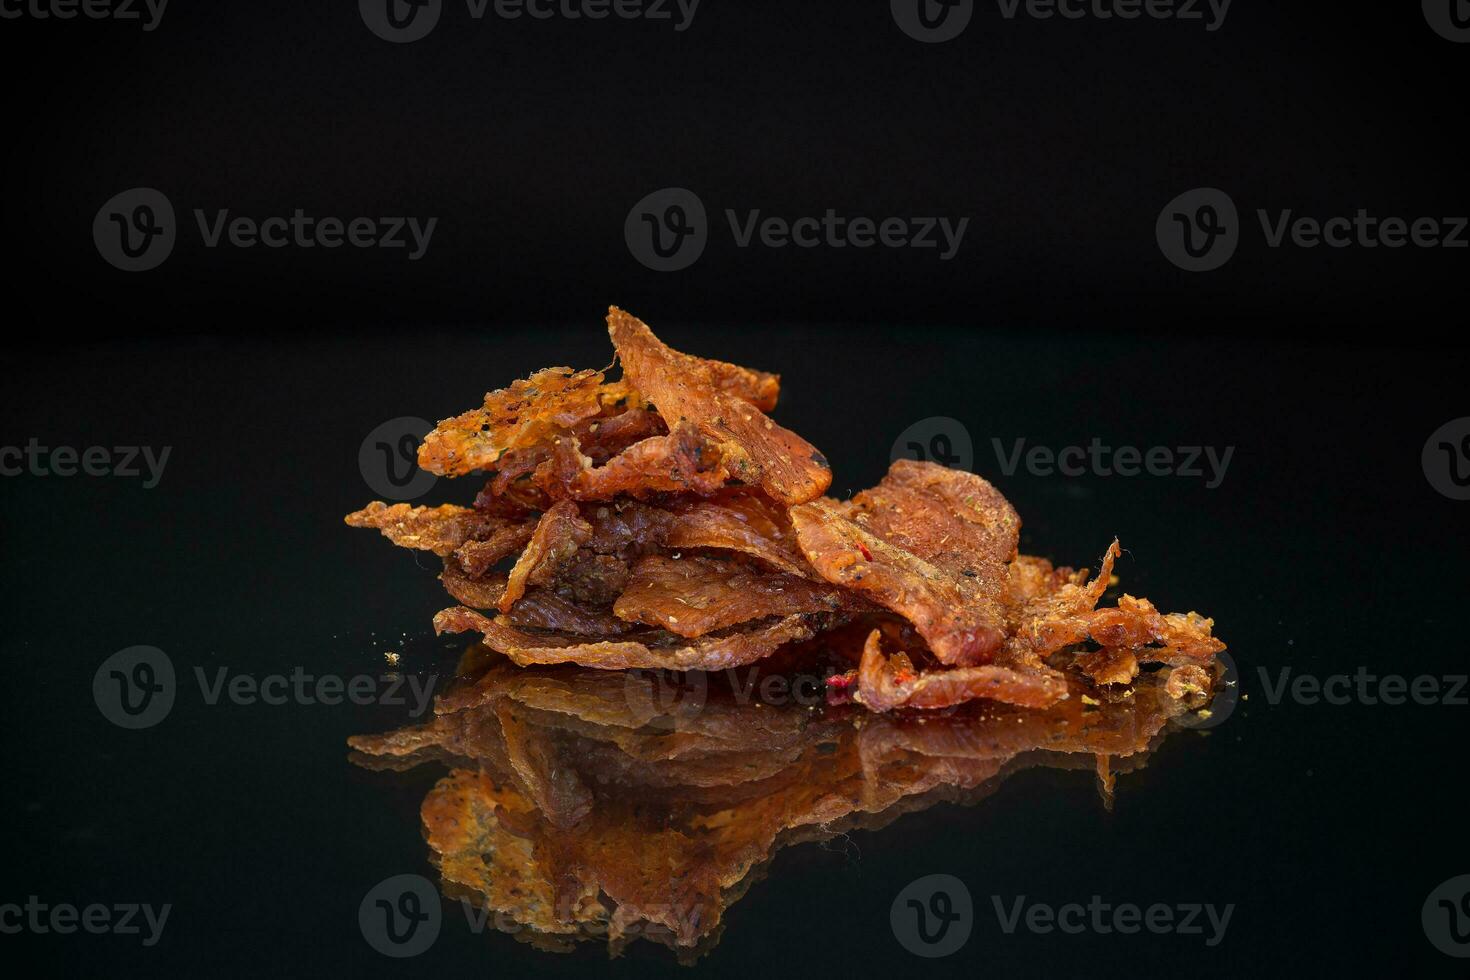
[556,541]
[1114,665]
[952,519]
[884,683]
[961,622]
[715,651]
[590,443]
[441,529]
[684,461]
[537,609]
[739,520]
[478,557]
[626,527]
[753,449]
[1029,578]
[1048,621]
[698,594]
[1135,625]
[1052,620]
[593,580]
[525,415]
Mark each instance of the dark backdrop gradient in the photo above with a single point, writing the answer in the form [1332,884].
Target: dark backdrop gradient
[1324,550]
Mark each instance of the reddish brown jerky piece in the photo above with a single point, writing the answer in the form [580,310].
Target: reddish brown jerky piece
[537,609]
[1109,666]
[438,529]
[1029,578]
[1135,625]
[698,594]
[717,651]
[884,683]
[1067,616]
[960,625]
[478,557]
[682,462]
[739,520]
[556,540]
[525,415]
[1060,618]
[754,449]
[952,519]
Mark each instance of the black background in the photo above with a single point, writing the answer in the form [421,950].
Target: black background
[1325,548]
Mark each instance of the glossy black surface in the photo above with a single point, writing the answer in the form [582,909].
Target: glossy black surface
[1324,549]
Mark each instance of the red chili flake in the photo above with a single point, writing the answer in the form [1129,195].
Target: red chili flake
[864,549]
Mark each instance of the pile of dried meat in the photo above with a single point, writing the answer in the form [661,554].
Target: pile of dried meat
[664,520]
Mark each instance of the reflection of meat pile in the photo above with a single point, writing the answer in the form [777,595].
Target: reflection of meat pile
[577,808]
[665,521]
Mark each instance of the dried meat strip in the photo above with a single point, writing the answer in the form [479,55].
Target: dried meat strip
[537,609]
[658,650]
[682,462]
[962,626]
[699,594]
[558,537]
[442,530]
[738,520]
[525,415]
[883,683]
[754,449]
